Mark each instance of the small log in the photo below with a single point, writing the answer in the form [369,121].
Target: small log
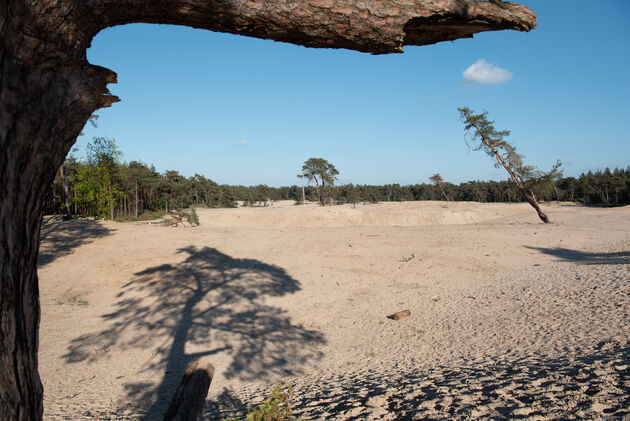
[191,393]
[400,315]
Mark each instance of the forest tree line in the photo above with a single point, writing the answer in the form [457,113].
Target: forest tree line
[102,185]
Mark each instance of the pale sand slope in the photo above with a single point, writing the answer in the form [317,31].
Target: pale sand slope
[509,317]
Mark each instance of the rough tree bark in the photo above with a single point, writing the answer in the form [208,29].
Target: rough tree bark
[48,90]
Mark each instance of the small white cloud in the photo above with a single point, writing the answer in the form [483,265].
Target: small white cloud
[484,73]
[238,142]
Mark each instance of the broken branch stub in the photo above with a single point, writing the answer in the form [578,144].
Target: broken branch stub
[190,396]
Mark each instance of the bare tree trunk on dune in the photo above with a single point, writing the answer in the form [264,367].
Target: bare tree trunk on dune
[48,90]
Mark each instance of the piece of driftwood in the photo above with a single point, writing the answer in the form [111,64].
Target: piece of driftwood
[400,315]
[191,393]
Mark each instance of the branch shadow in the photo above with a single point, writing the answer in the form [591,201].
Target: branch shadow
[586,258]
[207,304]
[536,386]
[58,239]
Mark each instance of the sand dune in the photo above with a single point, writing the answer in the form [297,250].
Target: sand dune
[510,318]
[285,214]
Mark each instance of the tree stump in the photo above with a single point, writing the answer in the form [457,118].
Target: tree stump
[187,403]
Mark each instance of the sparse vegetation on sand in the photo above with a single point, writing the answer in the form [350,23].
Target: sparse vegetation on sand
[277,407]
[73,302]
[179,217]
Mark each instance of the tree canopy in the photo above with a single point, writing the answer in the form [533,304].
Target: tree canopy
[323,173]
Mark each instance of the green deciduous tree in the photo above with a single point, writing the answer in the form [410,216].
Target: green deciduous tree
[97,182]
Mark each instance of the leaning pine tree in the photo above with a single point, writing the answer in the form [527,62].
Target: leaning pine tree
[438,180]
[493,142]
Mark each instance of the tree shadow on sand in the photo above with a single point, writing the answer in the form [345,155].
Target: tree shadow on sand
[586,258]
[536,386]
[59,239]
[207,304]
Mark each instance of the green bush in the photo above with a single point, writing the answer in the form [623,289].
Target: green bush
[193,219]
[179,216]
[276,408]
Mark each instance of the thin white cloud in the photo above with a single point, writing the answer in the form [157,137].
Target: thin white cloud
[484,73]
[238,142]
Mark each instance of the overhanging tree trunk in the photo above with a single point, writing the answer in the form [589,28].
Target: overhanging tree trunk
[48,91]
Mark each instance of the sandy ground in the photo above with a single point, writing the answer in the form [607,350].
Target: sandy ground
[510,318]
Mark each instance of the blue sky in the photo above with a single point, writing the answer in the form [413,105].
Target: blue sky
[246,111]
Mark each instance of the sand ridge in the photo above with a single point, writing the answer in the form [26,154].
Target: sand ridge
[509,317]
[286,214]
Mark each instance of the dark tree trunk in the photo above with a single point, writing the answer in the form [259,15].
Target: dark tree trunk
[44,103]
[20,386]
[48,91]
